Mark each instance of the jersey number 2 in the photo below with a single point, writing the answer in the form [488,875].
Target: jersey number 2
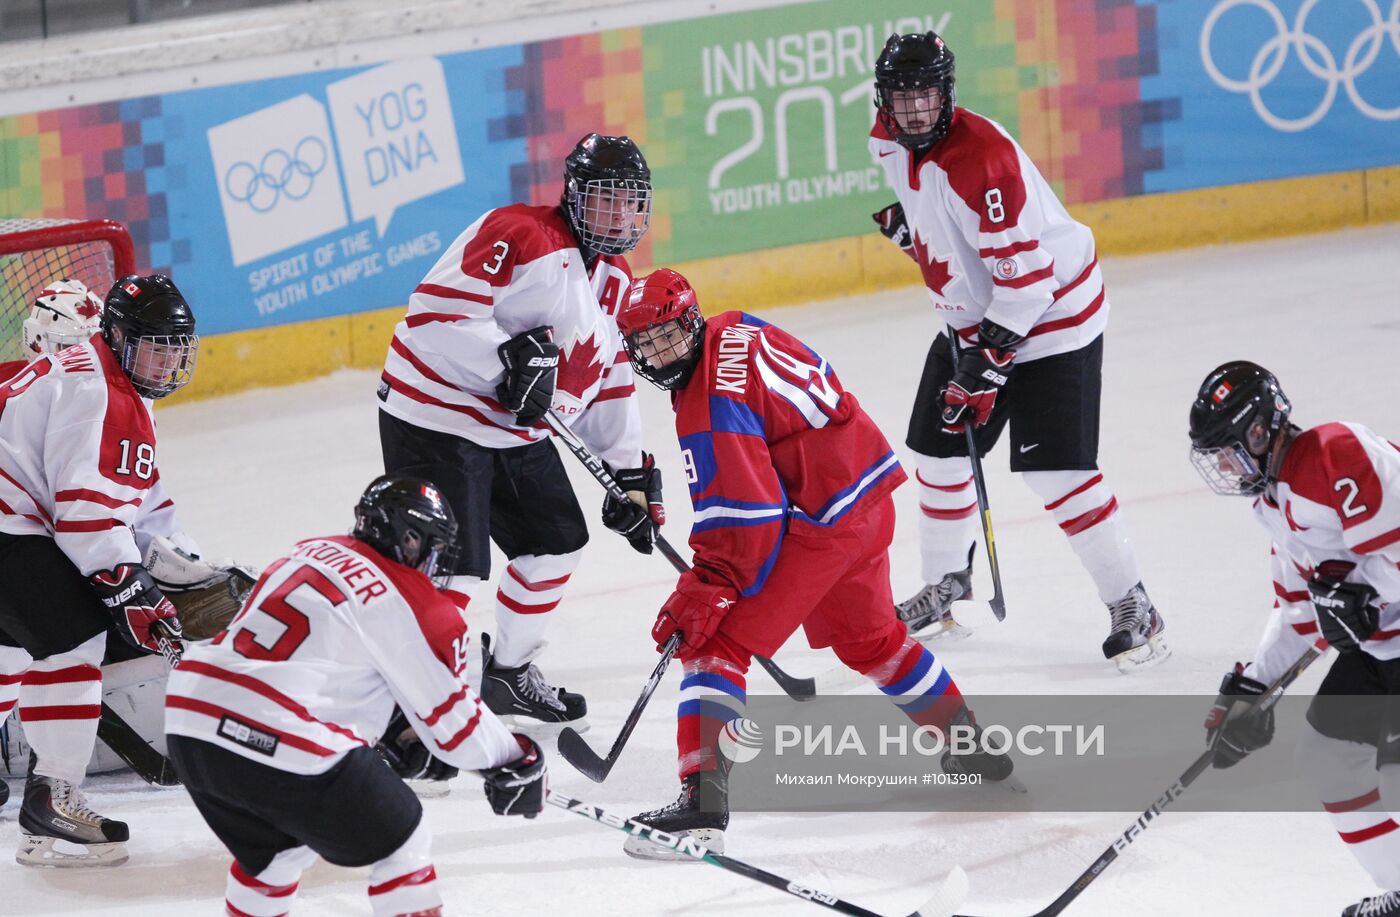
[297,624]
[1349,506]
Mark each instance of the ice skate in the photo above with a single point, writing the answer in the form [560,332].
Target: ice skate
[524,700]
[700,813]
[1135,640]
[58,829]
[929,612]
[991,767]
[1387,905]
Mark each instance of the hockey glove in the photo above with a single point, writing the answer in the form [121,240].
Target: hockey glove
[638,517]
[1241,729]
[982,373]
[895,227]
[531,359]
[695,609]
[144,617]
[1348,613]
[518,788]
[407,754]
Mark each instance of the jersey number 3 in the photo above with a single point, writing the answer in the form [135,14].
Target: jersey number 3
[296,625]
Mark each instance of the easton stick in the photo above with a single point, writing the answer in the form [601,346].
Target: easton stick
[979,481]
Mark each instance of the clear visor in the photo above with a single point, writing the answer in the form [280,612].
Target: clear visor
[916,111]
[1229,470]
[662,344]
[613,214]
[435,562]
[160,364]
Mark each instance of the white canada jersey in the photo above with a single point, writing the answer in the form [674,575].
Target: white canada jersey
[993,241]
[333,636]
[78,458]
[1338,499]
[515,269]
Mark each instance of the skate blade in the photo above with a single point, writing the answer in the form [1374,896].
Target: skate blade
[945,631]
[429,789]
[542,729]
[1152,653]
[710,838]
[56,853]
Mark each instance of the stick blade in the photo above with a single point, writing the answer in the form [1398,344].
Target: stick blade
[948,897]
[576,751]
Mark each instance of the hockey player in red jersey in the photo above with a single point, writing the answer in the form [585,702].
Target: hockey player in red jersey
[790,480]
[1017,281]
[272,726]
[78,479]
[1330,500]
[515,320]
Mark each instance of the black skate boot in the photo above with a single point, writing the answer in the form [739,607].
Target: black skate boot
[524,700]
[58,829]
[985,765]
[929,612]
[700,813]
[1135,640]
[1387,905]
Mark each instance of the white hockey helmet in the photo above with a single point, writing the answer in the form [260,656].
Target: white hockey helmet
[64,313]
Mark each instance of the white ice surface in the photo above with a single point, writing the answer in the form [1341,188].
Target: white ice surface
[253,473]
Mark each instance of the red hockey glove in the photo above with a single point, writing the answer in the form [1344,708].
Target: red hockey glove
[981,375]
[895,227]
[143,615]
[695,609]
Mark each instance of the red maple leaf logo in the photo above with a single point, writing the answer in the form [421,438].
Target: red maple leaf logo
[89,309]
[579,367]
[936,273]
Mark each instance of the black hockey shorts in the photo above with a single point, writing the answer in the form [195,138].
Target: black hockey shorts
[519,497]
[355,814]
[1052,405]
[46,606]
[1359,701]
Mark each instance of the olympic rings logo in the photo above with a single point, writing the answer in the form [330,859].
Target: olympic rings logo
[1314,55]
[278,173]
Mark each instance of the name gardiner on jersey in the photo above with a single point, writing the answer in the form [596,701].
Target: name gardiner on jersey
[343,562]
[732,370]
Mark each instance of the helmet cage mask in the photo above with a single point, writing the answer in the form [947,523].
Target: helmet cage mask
[387,520]
[610,215]
[159,364]
[673,342]
[907,92]
[1232,451]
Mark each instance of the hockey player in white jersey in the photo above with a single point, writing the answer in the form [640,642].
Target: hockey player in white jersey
[272,726]
[1017,281]
[516,320]
[78,477]
[1330,500]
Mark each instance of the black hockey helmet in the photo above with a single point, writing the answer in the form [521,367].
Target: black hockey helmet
[406,519]
[1236,419]
[607,194]
[914,89]
[151,329]
[662,328]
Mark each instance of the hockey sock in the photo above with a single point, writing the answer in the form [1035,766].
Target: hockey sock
[530,588]
[1345,778]
[272,891]
[59,703]
[1087,512]
[404,883]
[908,674]
[13,662]
[948,514]
[713,692]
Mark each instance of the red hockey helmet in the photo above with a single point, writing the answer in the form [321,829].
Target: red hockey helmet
[662,328]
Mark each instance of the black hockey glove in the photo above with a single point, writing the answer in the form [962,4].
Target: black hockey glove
[1241,730]
[518,788]
[531,359]
[895,227]
[982,373]
[637,518]
[1348,613]
[407,754]
[143,615]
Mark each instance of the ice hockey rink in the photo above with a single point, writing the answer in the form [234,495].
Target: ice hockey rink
[255,472]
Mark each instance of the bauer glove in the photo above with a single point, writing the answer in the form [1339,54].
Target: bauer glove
[1234,724]
[640,516]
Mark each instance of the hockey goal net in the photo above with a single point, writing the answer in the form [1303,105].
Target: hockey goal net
[34,252]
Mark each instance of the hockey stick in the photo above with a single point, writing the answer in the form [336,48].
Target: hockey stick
[1172,794]
[126,743]
[800,689]
[578,752]
[979,482]
[949,894]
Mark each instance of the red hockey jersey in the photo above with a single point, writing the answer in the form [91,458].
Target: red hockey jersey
[769,437]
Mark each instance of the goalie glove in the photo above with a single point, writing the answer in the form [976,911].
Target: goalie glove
[531,359]
[639,516]
[206,594]
[143,615]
